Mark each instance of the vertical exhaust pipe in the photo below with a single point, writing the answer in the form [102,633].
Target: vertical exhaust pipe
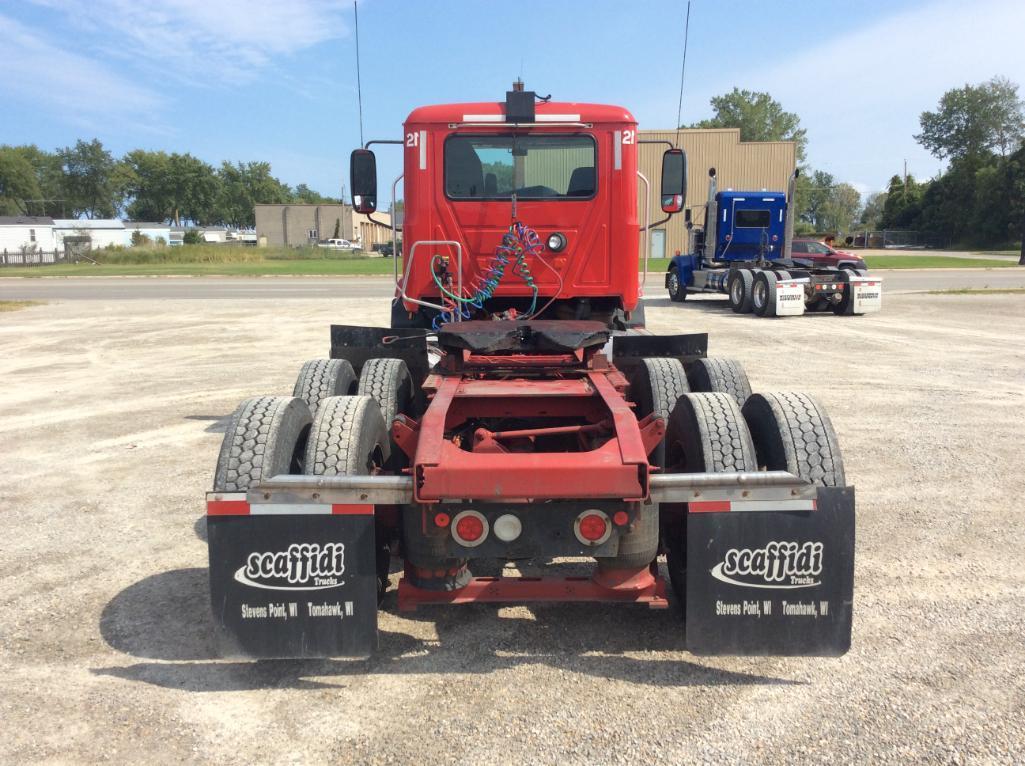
[788,228]
[711,217]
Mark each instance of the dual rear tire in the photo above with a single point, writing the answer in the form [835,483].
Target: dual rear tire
[776,431]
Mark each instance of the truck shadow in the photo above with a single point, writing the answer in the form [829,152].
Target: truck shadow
[721,306]
[165,620]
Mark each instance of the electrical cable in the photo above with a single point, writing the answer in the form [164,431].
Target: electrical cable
[558,291]
[519,243]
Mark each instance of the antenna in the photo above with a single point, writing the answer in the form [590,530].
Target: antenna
[683,71]
[359,88]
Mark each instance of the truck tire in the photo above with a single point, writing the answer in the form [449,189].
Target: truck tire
[792,432]
[739,289]
[265,437]
[677,289]
[724,376]
[348,438]
[655,386]
[387,381]
[707,434]
[321,378]
[844,306]
[763,294]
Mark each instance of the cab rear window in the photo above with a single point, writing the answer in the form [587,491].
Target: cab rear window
[751,219]
[534,167]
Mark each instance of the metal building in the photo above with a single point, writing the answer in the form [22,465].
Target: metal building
[304,225]
[747,165]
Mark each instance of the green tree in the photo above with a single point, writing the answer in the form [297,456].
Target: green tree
[196,189]
[18,183]
[974,121]
[843,203]
[306,195]
[903,206]
[872,212]
[94,183]
[812,196]
[759,117]
[149,175]
[244,185]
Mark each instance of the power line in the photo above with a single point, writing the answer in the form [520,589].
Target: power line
[683,71]
[359,88]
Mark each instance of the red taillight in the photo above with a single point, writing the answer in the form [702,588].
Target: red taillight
[592,527]
[442,519]
[620,518]
[469,528]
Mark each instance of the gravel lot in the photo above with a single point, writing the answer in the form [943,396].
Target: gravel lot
[110,415]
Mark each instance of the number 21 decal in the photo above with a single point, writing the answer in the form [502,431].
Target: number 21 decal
[629,137]
[412,139]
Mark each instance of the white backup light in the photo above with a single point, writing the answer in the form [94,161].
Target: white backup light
[507,528]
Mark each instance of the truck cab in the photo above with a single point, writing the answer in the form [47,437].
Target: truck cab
[739,227]
[749,226]
[559,176]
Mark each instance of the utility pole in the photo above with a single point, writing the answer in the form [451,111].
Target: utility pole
[1021,259]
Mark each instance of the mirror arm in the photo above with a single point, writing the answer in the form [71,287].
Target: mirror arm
[370,217]
[659,223]
[368,144]
[656,141]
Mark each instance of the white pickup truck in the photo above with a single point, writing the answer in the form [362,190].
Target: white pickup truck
[338,244]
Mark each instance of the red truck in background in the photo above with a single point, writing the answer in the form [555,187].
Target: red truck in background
[821,254]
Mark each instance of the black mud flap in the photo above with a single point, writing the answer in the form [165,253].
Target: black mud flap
[772,583]
[293,586]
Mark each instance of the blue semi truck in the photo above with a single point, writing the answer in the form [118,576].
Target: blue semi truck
[744,250]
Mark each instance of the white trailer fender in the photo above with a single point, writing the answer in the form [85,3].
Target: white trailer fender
[866,294]
[790,297]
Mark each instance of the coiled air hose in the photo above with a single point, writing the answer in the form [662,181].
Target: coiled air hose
[519,243]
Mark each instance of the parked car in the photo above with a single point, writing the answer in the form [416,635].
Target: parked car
[337,244]
[821,254]
[385,248]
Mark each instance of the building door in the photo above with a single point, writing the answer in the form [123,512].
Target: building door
[658,243]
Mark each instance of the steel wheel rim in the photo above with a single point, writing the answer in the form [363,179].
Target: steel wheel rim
[759,295]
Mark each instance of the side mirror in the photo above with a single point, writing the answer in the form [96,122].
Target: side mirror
[363,180]
[674,180]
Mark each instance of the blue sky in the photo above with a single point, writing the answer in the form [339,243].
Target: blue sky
[275,81]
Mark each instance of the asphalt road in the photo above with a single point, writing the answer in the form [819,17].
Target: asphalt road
[232,288]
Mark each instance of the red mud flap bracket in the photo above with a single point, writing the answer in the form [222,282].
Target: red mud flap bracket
[290,580]
[772,582]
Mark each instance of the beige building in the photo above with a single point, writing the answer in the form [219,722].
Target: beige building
[304,225]
[742,165]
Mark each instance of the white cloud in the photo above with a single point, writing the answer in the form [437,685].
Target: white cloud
[860,93]
[222,40]
[44,75]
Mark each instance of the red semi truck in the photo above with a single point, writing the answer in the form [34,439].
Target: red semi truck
[515,410]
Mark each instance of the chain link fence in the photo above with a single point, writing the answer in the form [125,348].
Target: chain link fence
[896,239]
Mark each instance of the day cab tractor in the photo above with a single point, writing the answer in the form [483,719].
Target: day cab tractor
[514,412]
[745,249]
